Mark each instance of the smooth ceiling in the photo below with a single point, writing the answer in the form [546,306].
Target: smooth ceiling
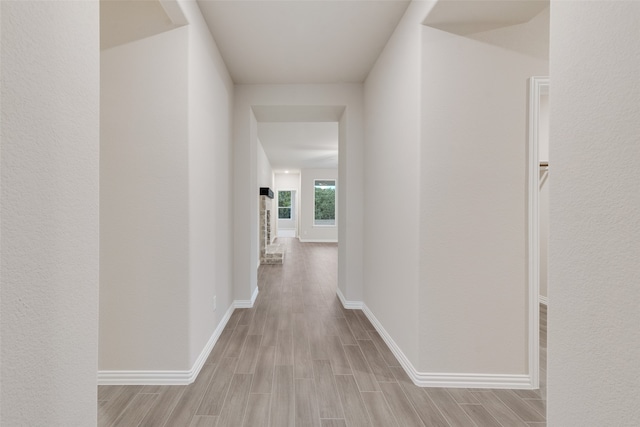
[124,21]
[304,145]
[288,42]
[472,16]
[303,42]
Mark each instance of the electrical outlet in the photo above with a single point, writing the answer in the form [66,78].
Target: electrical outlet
[215,303]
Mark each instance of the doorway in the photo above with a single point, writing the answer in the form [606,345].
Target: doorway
[538,185]
[287,215]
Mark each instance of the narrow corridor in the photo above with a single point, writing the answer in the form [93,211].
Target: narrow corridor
[297,358]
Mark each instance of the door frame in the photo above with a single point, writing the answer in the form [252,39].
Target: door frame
[537,86]
[294,208]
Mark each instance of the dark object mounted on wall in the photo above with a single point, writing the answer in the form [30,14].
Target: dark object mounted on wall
[266,191]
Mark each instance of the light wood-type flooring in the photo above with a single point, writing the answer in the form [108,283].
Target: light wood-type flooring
[297,358]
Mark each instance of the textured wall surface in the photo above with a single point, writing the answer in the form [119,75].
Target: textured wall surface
[49,213]
[594,276]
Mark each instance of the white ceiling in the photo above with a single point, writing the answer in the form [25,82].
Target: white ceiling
[473,16]
[124,21]
[301,41]
[303,145]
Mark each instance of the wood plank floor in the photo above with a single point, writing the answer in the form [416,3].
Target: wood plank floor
[297,358]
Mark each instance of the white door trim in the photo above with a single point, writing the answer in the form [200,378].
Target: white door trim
[294,210]
[537,87]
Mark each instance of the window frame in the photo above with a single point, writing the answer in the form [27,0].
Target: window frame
[285,207]
[335,202]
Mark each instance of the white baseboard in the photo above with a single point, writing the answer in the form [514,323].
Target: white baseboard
[350,305]
[246,303]
[317,240]
[174,377]
[449,380]
[543,300]
[145,377]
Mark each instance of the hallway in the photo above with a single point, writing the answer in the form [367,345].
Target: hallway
[298,358]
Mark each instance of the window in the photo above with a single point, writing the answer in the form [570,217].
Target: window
[325,202]
[284,204]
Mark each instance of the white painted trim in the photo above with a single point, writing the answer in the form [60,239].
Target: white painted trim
[317,240]
[293,207]
[335,208]
[144,377]
[452,380]
[492,381]
[537,86]
[246,303]
[350,305]
[544,300]
[449,380]
[286,233]
[167,377]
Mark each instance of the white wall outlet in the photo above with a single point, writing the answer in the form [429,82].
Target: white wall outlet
[215,302]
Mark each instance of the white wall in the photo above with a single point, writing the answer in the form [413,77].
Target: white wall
[144,205]
[350,176]
[473,221]
[265,179]
[49,213]
[351,197]
[166,199]
[445,125]
[245,201]
[289,182]
[308,231]
[265,173]
[391,173]
[594,338]
[210,177]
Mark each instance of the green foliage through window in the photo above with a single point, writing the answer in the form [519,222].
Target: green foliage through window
[325,202]
[284,204]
